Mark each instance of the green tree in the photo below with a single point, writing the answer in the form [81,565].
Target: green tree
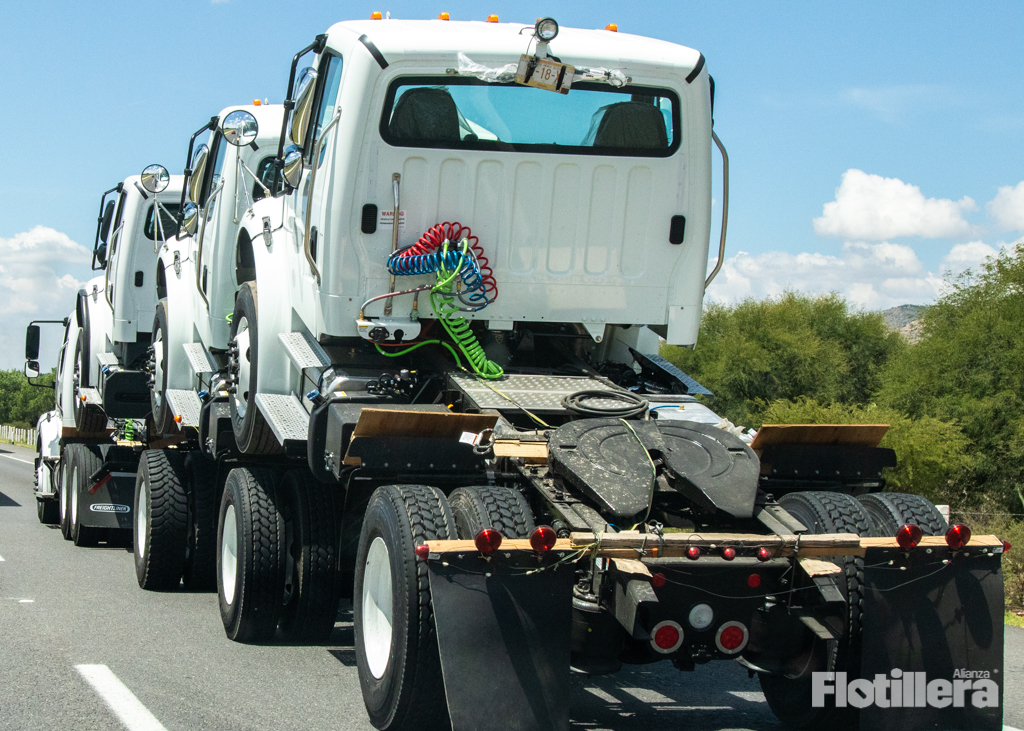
[21,404]
[790,347]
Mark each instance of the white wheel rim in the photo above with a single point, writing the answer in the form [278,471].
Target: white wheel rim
[243,386]
[74,496]
[229,554]
[377,608]
[64,493]
[142,519]
[158,368]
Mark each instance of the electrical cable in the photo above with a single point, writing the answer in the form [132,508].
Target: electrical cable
[636,405]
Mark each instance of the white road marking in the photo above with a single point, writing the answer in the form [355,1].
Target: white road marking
[1010,728]
[606,697]
[17,459]
[26,601]
[647,695]
[754,696]
[128,708]
[1,558]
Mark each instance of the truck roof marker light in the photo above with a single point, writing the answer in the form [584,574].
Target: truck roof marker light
[543,538]
[728,553]
[256,103]
[731,638]
[487,541]
[422,550]
[492,18]
[754,581]
[613,27]
[909,536]
[958,536]
[666,637]
[693,553]
[658,580]
[375,15]
[763,554]
[443,16]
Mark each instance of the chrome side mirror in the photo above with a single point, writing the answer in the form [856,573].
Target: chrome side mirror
[155,178]
[240,128]
[190,219]
[32,369]
[195,183]
[303,105]
[292,168]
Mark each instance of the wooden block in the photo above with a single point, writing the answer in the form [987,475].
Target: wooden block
[509,544]
[933,542]
[401,423]
[814,567]
[864,435]
[628,545]
[515,448]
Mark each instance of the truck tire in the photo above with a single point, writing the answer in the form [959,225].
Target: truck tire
[395,640]
[200,571]
[501,508]
[311,569]
[64,496]
[890,511]
[251,555]
[163,419]
[161,519]
[85,462]
[252,433]
[790,698]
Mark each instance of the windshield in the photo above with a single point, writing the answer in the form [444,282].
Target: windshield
[592,119]
[168,220]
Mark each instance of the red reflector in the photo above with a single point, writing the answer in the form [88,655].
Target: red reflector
[958,535]
[422,550]
[731,637]
[763,554]
[728,553]
[1007,546]
[754,581]
[666,637]
[693,553]
[487,540]
[543,538]
[658,580]
[909,535]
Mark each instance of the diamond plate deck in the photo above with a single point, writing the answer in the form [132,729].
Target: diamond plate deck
[531,392]
[106,359]
[186,404]
[304,351]
[199,359]
[287,419]
[92,396]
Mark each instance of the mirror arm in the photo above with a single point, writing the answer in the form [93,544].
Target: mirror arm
[289,103]
[99,224]
[142,192]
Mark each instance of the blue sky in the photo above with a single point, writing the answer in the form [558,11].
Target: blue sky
[915,108]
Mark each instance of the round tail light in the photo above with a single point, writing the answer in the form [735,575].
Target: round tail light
[763,554]
[543,539]
[422,550]
[909,536]
[731,637]
[666,637]
[728,553]
[487,540]
[693,553]
[658,580]
[754,581]
[958,536]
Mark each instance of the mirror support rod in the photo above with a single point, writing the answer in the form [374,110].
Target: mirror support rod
[725,210]
[289,104]
[99,222]
[312,186]
[396,178]
[211,125]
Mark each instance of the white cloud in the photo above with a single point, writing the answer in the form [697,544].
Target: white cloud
[872,276]
[873,208]
[967,256]
[39,277]
[1007,208]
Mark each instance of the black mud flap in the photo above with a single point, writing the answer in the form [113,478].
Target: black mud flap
[938,625]
[108,504]
[504,639]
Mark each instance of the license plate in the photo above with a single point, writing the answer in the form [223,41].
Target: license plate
[544,74]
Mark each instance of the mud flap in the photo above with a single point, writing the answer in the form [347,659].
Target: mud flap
[504,638]
[108,504]
[939,622]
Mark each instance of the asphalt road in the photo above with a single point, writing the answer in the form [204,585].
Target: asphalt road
[62,607]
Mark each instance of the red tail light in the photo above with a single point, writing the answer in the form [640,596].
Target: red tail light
[763,554]
[728,553]
[958,536]
[543,539]
[909,536]
[658,580]
[487,540]
[666,637]
[422,550]
[731,637]
[693,553]
[754,581]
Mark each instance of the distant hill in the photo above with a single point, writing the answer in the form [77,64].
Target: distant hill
[904,320]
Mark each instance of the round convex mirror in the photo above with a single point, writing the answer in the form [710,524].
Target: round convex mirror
[240,128]
[292,169]
[155,178]
[190,219]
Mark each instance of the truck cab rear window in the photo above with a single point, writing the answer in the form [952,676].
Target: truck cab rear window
[592,119]
[168,220]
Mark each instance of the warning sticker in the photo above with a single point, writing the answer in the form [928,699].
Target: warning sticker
[388,217]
